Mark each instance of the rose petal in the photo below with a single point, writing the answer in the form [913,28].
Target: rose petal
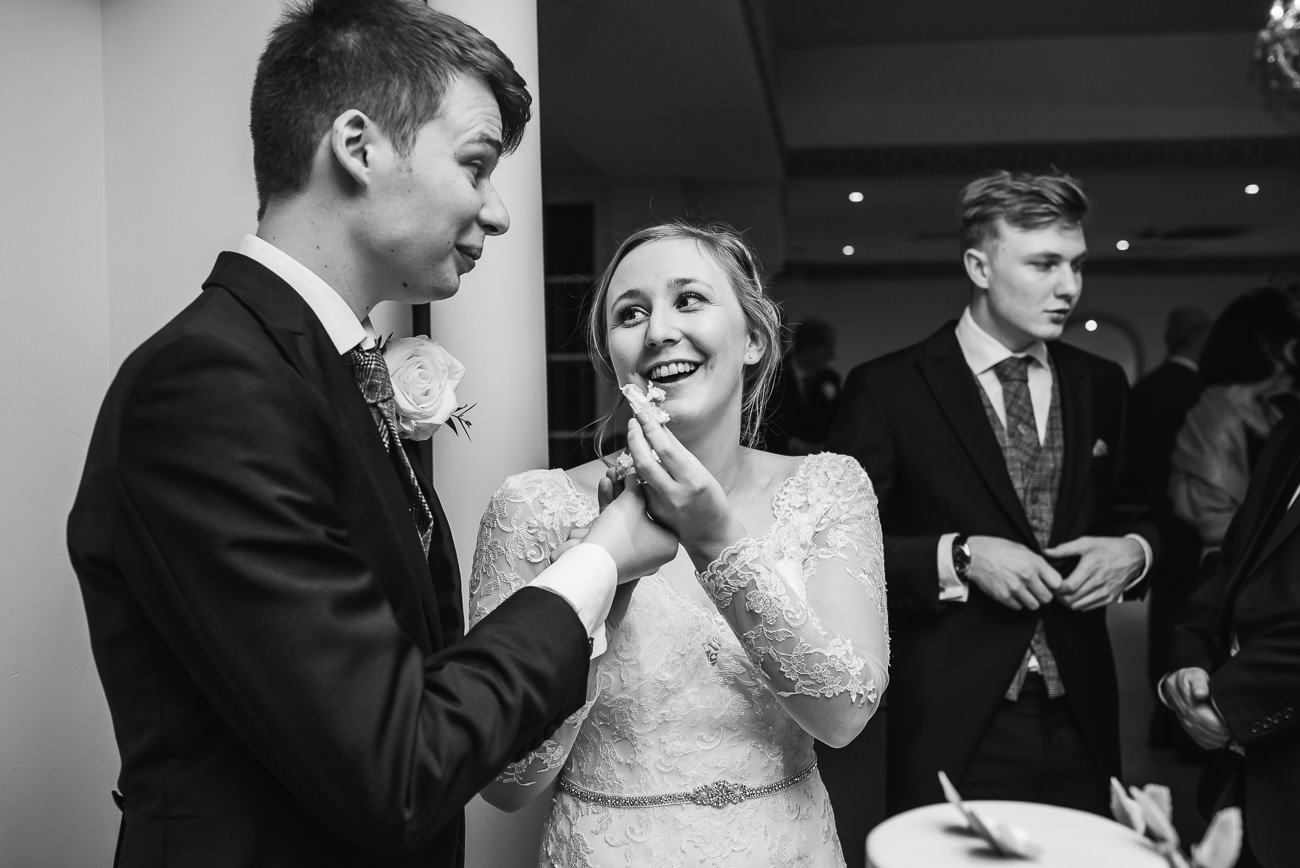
[424,377]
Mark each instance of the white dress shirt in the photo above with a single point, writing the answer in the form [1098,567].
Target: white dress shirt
[983,353]
[585,576]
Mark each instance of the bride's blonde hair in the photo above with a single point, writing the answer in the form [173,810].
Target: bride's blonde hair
[762,316]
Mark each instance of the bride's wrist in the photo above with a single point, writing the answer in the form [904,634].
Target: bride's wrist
[705,550]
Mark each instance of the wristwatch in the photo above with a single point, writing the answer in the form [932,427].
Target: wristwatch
[960,556]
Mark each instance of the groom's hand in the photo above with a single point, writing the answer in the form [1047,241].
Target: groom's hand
[637,544]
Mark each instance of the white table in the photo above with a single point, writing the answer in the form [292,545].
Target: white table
[935,836]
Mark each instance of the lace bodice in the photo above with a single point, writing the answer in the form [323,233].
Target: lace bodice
[685,697]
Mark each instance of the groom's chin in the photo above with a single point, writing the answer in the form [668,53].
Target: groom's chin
[440,290]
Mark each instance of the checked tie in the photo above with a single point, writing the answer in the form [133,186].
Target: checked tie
[371,373]
[1022,430]
[1023,449]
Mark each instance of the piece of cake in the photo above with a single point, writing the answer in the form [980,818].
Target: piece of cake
[648,403]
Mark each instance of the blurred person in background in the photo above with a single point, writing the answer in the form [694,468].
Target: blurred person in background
[807,392]
[1161,401]
[1248,367]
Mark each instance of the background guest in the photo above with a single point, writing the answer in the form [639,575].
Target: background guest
[996,455]
[1160,403]
[1248,366]
[1237,646]
[807,391]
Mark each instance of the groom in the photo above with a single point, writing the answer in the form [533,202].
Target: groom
[272,594]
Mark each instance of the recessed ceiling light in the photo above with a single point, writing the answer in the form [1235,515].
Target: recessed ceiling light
[1121,244]
[855,196]
[1091,325]
[1252,189]
[847,250]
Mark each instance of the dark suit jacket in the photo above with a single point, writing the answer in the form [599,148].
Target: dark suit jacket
[915,421]
[1254,593]
[276,652]
[1159,405]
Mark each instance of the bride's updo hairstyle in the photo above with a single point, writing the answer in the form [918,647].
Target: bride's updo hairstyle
[762,317]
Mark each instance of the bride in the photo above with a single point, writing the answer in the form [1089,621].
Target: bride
[769,629]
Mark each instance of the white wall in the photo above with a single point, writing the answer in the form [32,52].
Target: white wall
[129,168]
[57,759]
[177,76]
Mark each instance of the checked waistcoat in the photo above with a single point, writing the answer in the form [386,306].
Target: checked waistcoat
[1035,471]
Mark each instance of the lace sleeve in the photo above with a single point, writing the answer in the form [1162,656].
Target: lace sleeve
[526,520]
[820,634]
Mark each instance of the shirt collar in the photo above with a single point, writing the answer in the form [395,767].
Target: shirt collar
[983,351]
[339,321]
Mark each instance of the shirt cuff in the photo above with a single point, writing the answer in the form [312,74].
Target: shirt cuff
[1146,553]
[951,588]
[585,576]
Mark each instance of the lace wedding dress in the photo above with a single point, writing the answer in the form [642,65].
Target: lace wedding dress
[677,701]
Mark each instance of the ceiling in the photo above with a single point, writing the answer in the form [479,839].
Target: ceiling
[1152,104]
[820,23]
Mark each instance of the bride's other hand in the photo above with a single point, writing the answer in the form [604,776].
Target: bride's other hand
[638,545]
[681,492]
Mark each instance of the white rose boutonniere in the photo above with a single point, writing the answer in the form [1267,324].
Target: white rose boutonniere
[425,377]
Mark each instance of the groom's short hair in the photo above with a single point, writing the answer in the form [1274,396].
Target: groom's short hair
[391,59]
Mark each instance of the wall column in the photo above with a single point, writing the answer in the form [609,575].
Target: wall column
[496,326]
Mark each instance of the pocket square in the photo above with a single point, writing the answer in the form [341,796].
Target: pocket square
[1100,449]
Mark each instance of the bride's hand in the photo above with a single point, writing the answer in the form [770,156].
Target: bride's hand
[624,528]
[681,492]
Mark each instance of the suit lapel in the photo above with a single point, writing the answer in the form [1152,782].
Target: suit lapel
[957,393]
[1075,389]
[1281,464]
[401,569]
[1264,539]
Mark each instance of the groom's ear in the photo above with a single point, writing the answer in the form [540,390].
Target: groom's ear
[354,143]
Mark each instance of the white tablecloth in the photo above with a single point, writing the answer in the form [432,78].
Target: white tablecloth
[935,836]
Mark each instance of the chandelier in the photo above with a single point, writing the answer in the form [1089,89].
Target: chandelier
[1277,56]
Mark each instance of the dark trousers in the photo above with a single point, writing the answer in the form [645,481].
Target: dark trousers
[1033,751]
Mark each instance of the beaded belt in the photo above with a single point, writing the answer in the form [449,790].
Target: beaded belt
[715,795]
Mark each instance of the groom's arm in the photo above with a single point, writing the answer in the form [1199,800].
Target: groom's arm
[232,538]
